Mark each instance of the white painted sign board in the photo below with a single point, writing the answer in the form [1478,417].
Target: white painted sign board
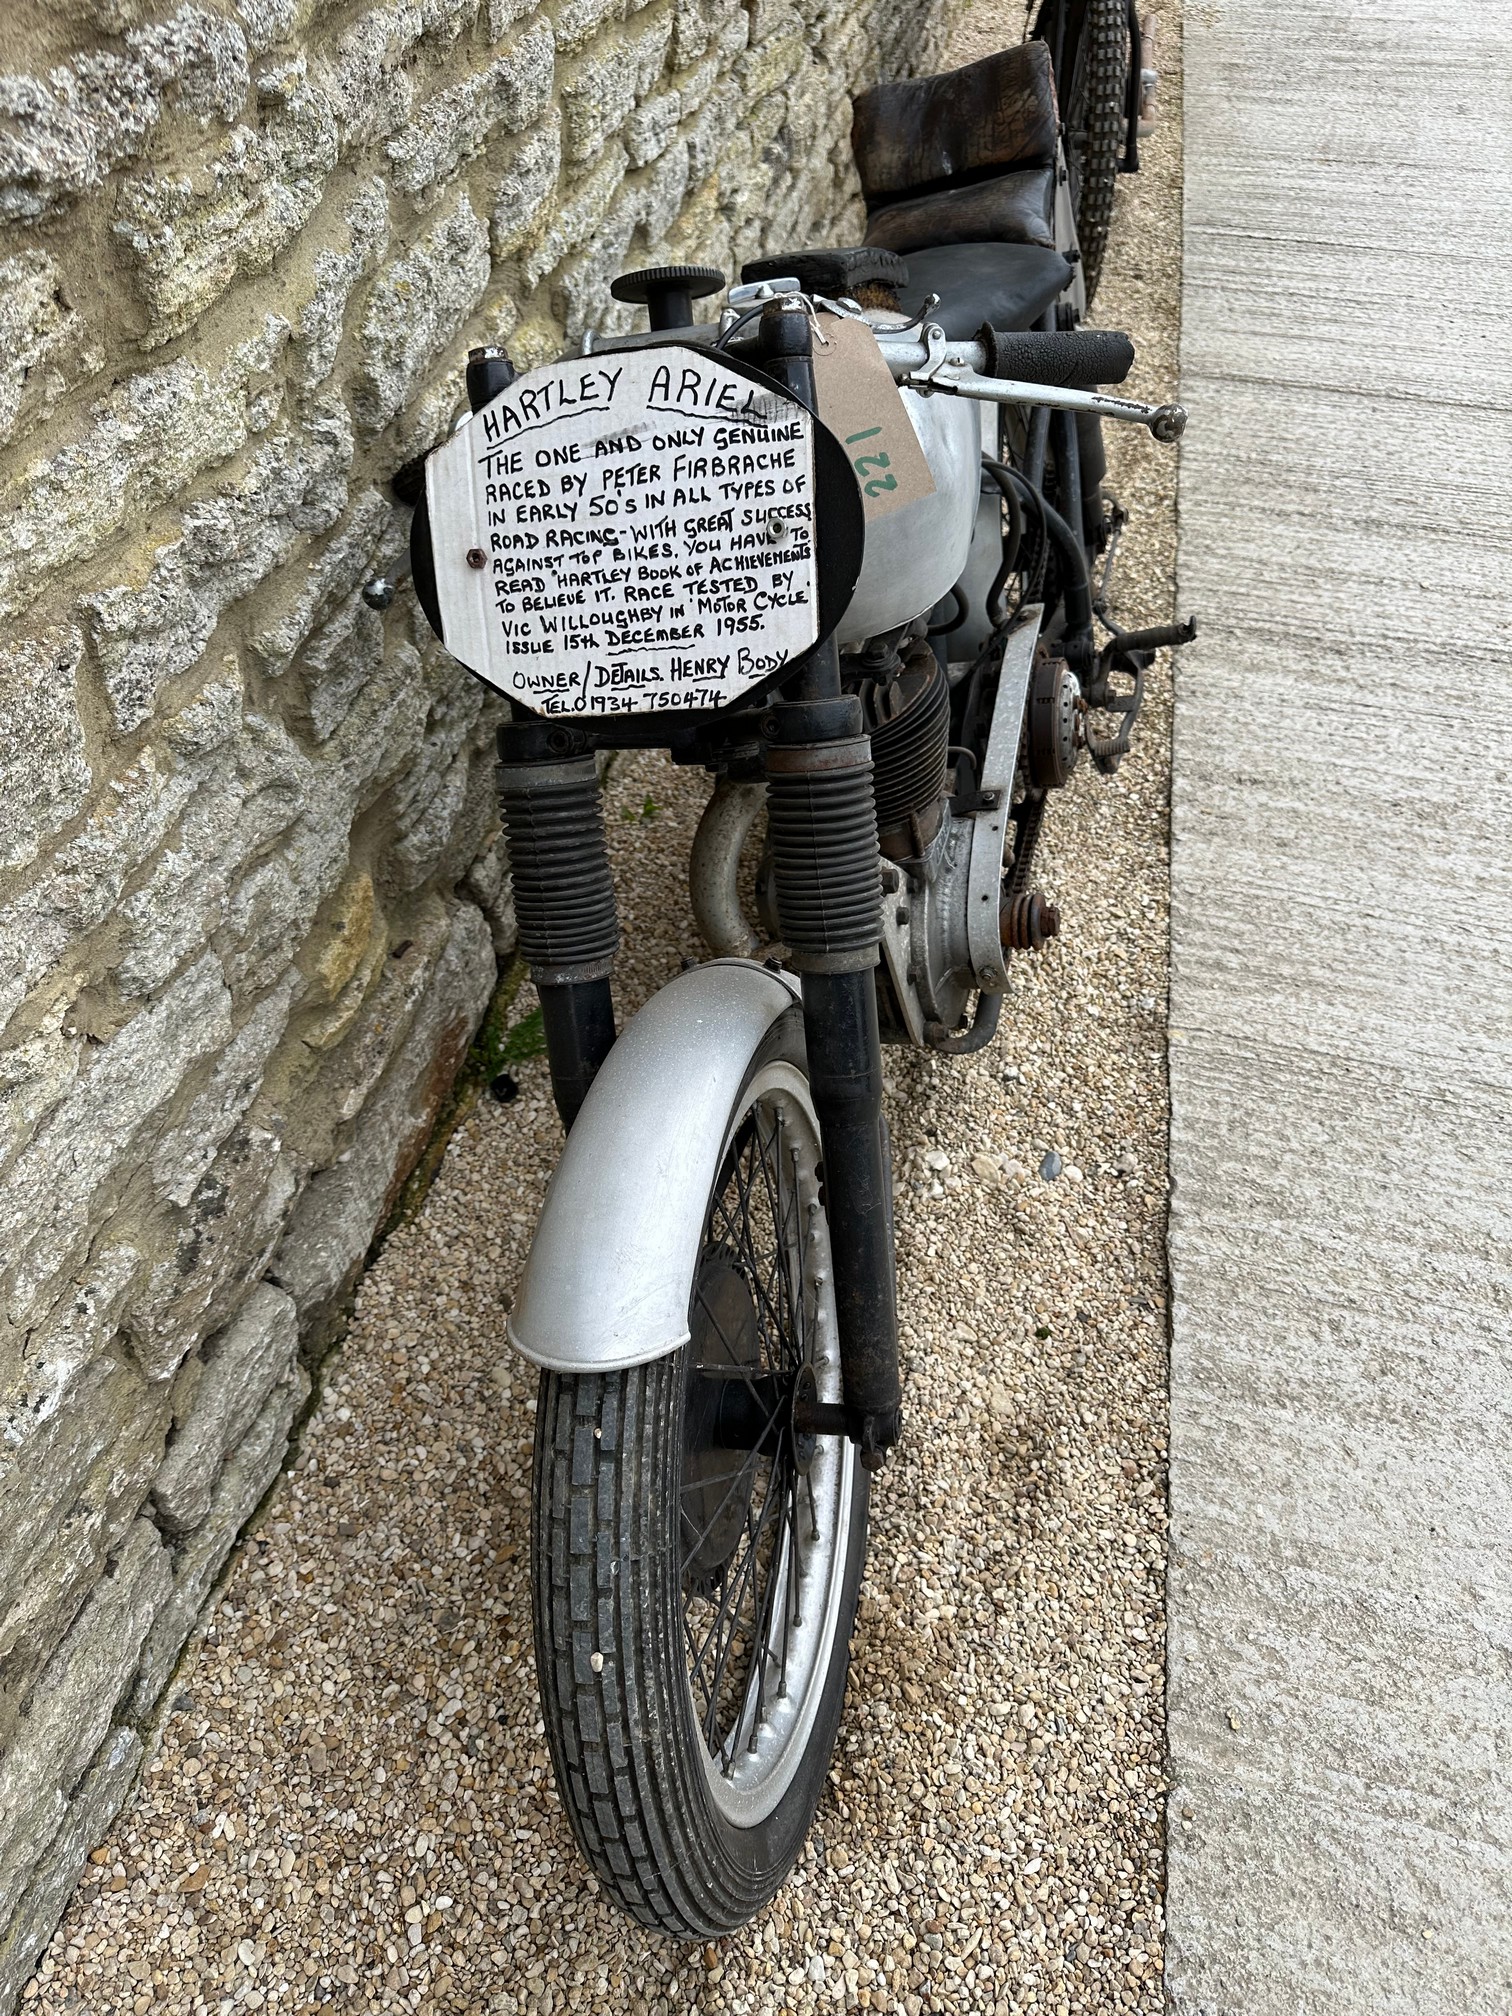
[627,533]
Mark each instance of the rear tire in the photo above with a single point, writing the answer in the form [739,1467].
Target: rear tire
[1092,83]
[694,1598]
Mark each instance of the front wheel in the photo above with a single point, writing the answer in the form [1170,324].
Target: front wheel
[697,1559]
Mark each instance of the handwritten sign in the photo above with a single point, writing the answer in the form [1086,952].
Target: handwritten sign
[627,533]
[864,409]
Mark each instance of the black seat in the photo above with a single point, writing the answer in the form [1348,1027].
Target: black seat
[1008,286]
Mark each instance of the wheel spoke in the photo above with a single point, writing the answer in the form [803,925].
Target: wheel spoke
[731,1608]
[719,1511]
[748,1529]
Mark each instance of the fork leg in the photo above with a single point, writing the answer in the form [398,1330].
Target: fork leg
[823,825]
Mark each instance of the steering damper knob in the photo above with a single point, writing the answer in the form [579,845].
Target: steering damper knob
[668,292]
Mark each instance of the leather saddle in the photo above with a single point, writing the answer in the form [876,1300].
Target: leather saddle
[958,172]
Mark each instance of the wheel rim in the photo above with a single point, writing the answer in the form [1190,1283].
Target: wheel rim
[764,1516]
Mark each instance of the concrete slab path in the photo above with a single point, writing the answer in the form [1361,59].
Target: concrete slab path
[1341,1051]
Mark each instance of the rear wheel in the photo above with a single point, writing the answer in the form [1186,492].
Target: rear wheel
[697,1559]
[1092,82]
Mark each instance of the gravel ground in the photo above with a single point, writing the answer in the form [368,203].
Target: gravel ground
[351,1807]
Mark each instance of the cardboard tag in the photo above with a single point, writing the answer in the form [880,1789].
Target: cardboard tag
[861,405]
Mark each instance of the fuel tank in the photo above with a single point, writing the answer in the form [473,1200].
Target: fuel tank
[916,554]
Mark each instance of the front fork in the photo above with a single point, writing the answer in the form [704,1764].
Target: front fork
[826,871]
[822,826]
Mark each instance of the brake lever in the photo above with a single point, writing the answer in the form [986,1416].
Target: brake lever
[940,372]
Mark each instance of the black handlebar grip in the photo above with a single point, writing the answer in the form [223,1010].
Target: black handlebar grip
[1070,357]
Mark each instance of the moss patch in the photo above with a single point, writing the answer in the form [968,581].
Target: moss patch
[497,1043]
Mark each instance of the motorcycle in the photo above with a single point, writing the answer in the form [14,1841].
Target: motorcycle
[837,546]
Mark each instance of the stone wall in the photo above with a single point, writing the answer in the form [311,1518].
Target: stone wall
[250,898]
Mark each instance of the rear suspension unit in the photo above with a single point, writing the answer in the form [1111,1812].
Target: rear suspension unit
[822,822]
[564,906]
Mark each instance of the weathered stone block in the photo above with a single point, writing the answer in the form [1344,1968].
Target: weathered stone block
[83,1435]
[579,217]
[765,133]
[490,885]
[72,1705]
[698,24]
[527,189]
[605,86]
[776,57]
[381,730]
[381,1025]
[46,1200]
[35,1072]
[344,654]
[428,799]
[90,1811]
[512,93]
[270,909]
[143,444]
[270,21]
[665,192]
[416,307]
[503,14]
[190,236]
[185,1154]
[44,775]
[583,283]
[39,332]
[437,823]
[240,798]
[373,537]
[217,881]
[595,105]
[245,1476]
[326,1027]
[337,270]
[203,1257]
[209,719]
[242,1365]
[352,922]
[344,1206]
[651,126]
[368,78]
[49,1361]
[63,134]
[293,485]
[708,134]
[733,33]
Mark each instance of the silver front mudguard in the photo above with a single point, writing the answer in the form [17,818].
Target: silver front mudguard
[610,1274]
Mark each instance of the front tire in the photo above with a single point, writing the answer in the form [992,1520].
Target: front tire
[696,1562]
